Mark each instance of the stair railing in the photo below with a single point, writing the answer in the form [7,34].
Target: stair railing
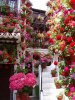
[40,83]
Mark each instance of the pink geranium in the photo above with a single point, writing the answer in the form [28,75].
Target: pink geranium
[17,76]
[1,52]
[19,81]
[66,69]
[30,80]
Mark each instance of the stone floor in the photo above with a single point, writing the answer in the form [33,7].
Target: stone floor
[34,98]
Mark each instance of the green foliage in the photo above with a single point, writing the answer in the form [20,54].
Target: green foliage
[19,69]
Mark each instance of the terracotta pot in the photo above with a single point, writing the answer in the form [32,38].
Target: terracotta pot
[22,97]
[60,98]
[53,75]
[58,85]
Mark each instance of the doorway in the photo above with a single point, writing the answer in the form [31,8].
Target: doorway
[6,70]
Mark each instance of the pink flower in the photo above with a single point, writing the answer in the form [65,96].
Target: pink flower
[1,52]
[17,81]
[66,69]
[30,80]
[17,76]
[20,80]
[72,23]
[73,98]
[72,89]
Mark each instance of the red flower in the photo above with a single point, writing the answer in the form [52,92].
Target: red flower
[71,51]
[62,47]
[64,37]
[72,44]
[72,1]
[69,94]
[48,34]
[69,39]
[70,17]
[61,29]
[66,21]
[58,37]
[55,63]
[51,41]
[63,73]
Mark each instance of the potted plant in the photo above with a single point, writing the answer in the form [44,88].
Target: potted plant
[54,72]
[58,83]
[23,84]
[60,96]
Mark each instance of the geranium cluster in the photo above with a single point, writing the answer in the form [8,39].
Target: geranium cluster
[19,81]
[8,23]
[62,41]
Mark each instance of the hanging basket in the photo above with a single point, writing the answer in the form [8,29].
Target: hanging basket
[23,1]
[22,97]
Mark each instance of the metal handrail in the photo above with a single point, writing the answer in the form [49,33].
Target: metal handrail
[40,81]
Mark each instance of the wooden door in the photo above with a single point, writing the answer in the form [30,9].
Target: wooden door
[6,70]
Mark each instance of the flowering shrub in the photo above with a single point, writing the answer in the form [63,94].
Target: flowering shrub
[22,82]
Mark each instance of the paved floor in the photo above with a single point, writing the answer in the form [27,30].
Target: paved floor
[34,98]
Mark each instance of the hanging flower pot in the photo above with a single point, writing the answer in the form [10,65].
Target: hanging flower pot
[22,97]
[54,73]
[72,3]
[60,97]
[23,1]
[28,4]
[23,46]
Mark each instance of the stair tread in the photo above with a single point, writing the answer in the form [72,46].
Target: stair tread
[53,97]
[52,91]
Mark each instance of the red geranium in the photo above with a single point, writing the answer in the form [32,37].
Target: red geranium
[61,29]
[48,34]
[71,51]
[55,63]
[51,41]
[72,44]
[58,37]
[64,38]
[72,1]
[62,47]
[69,39]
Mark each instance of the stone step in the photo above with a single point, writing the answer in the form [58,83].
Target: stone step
[52,91]
[46,74]
[48,79]
[48,86]
[53,97]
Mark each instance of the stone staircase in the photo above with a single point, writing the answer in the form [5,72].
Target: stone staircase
[48,86]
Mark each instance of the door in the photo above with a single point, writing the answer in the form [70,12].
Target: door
[6,70]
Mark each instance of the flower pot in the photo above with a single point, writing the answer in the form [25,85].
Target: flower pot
[53,75]
[60,97]
[58,85]
[22,97]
